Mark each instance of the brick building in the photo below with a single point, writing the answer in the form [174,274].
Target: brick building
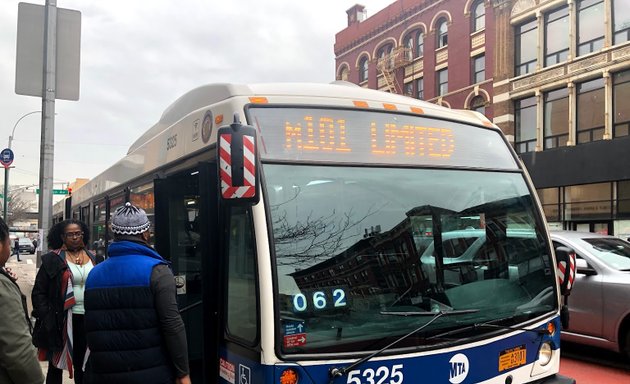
[435,50]
[555,79]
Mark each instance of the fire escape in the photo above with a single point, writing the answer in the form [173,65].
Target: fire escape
[388,64]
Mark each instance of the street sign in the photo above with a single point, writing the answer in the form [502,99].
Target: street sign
[55,191]
[30,52]
[6,157]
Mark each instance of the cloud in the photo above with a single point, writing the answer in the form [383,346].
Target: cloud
[138,56]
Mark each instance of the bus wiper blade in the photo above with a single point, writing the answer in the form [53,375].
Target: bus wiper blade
[538,331]
[428,313]
[472,327]
[340,372]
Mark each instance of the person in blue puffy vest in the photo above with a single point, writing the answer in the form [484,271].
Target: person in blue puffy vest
[135,333]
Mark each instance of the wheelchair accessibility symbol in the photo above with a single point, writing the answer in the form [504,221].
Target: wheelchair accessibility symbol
[244,374]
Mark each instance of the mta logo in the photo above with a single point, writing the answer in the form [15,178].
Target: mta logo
[459,368]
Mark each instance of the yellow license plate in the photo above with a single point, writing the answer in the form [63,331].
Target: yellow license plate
[513,357]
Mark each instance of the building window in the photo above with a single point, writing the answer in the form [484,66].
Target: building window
[384,51]
[556,36]
[409,44]
[409,89]
[442,33]
[621,19]
[526,43]
[419,44]
[623,199]
[363,69]
[385,59]
[442,77]
[478,16]
[550,201]
[588,201]
[525,125]
[590,111]
[556,118]
[621,104]
[420,88]
[479,69]
[414,42]
[343,73]
[478,103]
[591,27]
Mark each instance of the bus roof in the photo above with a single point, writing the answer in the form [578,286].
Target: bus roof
[147,152]
[210,94]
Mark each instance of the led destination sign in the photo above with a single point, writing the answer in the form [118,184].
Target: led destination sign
[376,137]
[329,135]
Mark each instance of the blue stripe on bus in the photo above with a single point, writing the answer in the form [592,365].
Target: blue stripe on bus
[482,364]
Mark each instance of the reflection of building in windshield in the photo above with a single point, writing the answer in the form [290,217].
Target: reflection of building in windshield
[381,262]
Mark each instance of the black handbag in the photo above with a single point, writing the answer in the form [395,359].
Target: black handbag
[40,338]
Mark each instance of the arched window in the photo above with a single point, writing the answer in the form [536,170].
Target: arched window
[409,44]
[478,103]
[478,16]
[414,42]
[343,73]
[442,33]
[384,51]
[385,60]
[363,69]
[419,44]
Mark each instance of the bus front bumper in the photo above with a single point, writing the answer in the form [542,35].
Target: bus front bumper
[557,379]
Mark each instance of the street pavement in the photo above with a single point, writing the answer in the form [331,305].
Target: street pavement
[26,270]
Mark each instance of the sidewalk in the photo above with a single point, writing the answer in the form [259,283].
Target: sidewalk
[26,271]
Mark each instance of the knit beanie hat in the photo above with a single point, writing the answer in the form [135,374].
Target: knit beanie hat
[130,220]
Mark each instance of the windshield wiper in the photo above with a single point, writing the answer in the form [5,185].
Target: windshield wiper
[428,313]
[340,372]
[472,327]
[538,331]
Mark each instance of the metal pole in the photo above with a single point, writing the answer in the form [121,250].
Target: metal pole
[47,149]
[5,208]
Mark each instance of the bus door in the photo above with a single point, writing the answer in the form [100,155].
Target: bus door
[185,204]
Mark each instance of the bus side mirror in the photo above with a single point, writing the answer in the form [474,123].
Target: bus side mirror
[565,269]
[238,163]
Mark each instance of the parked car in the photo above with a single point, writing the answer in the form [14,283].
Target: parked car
[599,305]
[26,245]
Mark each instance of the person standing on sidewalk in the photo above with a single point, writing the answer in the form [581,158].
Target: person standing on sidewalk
[18,360]
[16,248]
[58,300]
[135,333]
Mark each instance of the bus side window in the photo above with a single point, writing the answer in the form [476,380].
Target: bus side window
[242,302]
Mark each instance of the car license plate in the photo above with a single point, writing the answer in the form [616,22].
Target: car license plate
[513,357]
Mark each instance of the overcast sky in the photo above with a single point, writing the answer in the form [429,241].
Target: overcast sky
[138,56]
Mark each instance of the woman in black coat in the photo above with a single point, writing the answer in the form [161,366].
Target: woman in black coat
[58,300]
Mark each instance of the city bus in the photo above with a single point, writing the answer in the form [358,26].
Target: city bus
[328,233]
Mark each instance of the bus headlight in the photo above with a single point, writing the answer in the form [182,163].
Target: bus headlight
[545,353]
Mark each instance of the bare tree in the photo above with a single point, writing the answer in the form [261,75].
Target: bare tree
[19,208]
[317,237]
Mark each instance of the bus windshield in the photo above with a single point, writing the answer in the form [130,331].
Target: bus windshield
[357,248]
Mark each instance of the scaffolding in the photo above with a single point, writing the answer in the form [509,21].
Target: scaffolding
[387,66]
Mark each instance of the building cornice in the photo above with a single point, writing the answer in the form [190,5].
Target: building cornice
[365,37]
